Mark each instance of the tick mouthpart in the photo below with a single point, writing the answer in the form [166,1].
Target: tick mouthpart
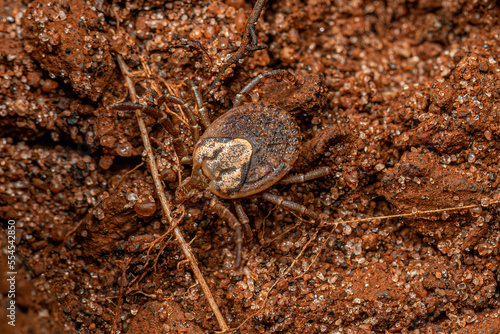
[186,190]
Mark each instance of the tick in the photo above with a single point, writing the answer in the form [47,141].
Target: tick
[242,153]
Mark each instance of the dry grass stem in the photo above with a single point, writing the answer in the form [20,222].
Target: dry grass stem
[164,203]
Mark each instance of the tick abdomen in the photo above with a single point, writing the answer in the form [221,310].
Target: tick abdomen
[274,136]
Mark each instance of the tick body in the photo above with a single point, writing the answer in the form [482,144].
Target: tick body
[246,151]
[242,153]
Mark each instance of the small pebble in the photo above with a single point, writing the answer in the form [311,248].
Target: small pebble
[49,85]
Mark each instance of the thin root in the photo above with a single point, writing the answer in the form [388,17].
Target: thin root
[412,214]
[268,292]
[127,174]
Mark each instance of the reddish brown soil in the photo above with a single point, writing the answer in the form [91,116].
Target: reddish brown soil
[399,98]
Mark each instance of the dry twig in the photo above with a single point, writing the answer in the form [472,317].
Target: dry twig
[164,203]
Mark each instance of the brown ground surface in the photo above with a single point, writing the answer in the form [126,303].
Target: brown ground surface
[407,117]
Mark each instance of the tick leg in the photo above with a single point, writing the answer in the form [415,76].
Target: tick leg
[195,128]
[233,222]
[129,106]
[199,102]
[292,206]
[150,96]
[242,216]
[275,74]
[185,43]
[320,172]
[163,119]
